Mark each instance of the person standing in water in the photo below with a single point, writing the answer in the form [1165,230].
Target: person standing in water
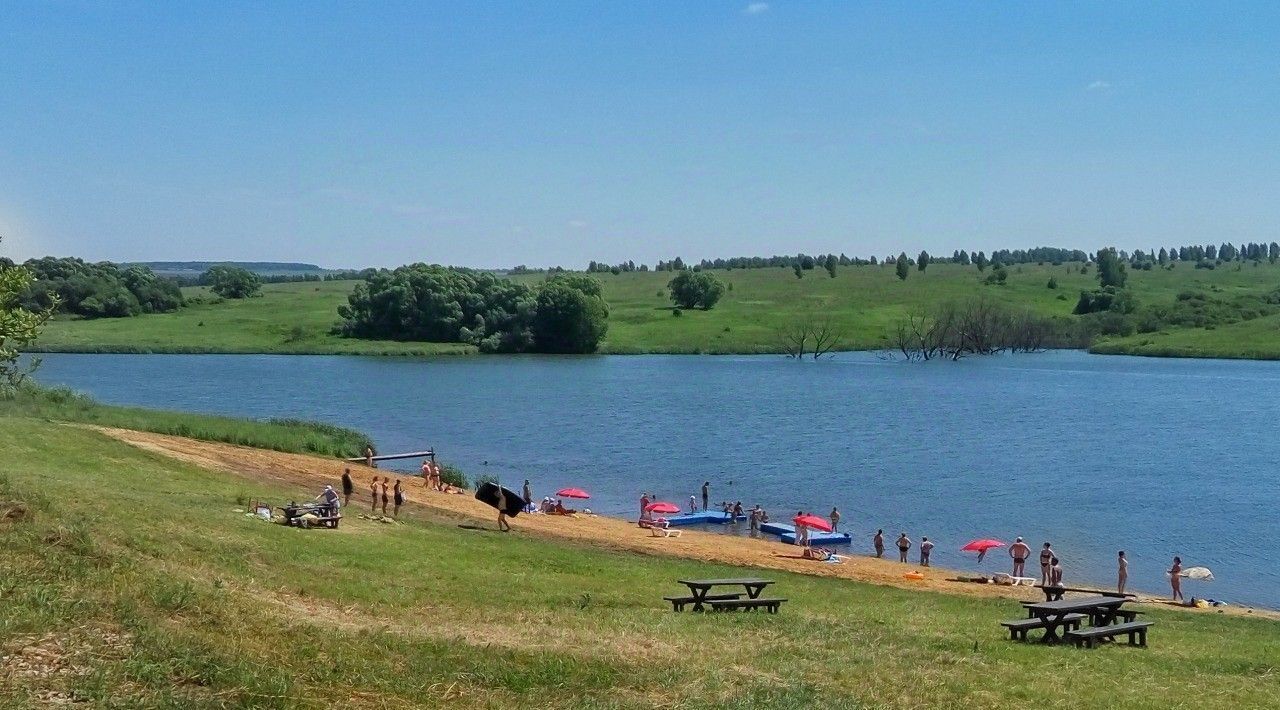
[926,547]
[904,545]
[835,519]
[878,541]
[1175,579]
[1046,562]
[1019,551]
[706,495]
[348,487]
[1123,564]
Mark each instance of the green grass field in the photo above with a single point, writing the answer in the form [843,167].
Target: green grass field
[130,581]
[865,301]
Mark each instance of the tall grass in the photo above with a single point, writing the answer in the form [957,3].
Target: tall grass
[288,435]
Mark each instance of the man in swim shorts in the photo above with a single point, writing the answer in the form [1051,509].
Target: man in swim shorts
[904,545]
[706,494]
[1019,551]
[878,541]
[925,548]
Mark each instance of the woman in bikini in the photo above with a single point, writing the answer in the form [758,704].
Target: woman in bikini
[385,481]
[1046,564]
[1175,579]
[399,498]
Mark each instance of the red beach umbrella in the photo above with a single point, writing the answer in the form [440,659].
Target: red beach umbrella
[572,493]
[813,521]
[662,507]
[981,545]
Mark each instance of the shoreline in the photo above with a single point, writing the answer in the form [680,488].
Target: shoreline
[595,530]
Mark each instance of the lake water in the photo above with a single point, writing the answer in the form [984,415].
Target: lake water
[1093,453]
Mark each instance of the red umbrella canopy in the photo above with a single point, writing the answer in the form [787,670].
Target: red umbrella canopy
[662,507]
[981,545]
[812,521]
[572,493]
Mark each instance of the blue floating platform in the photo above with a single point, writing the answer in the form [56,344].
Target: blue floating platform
[777,528]
[702,518]
[820,538]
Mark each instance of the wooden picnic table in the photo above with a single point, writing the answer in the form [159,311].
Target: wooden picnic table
[1053,614]
[699,588]
[1054,593]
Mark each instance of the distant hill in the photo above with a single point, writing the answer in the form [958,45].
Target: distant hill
[262,268]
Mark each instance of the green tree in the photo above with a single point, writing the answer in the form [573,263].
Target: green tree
[19,326]
[568,319]
[922,262]
[831,265]
[1111,268]
[799,271]
[980,261]
[903,269]
[695,289]
[232,281]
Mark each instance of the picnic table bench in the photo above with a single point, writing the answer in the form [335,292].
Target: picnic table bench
[325,516]
[770,605]
[678,603]
[1136,631]
[1018,628]
[700,590]
[1126,615]
[1102,610]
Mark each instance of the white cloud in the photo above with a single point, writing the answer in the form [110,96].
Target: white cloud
[756,8]
[1098,85]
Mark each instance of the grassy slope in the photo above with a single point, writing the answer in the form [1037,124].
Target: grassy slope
[293,436]
[154,606]
[866,300]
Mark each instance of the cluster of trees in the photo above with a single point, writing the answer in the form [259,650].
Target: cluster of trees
[599,267]
[232,281]
[1204,255]
[101,290]
[977,326]
[564,314]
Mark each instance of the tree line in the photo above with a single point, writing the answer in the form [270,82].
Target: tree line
[99,290]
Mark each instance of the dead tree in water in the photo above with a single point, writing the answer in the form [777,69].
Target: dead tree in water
[978,326]
[816,335]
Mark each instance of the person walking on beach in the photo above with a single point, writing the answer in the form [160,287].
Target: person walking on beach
[1123,564]
[503,525]
[398,499]
[348,487]
[904,545]
[1175,579]
[1046,562]
[1055,572]
[926,547]
[835,519]
[878,541]
[385,481]
[706,495]
[1019,551]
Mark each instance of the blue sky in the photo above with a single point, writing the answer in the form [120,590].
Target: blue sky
[492,134]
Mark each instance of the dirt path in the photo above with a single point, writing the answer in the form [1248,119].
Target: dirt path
[311,473]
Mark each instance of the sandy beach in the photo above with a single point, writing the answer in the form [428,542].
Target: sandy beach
[311,473]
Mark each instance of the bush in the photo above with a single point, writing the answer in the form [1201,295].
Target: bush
[102,290]
[1053,282]
[232,281]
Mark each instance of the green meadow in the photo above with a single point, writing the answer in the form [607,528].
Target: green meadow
[865,302]
[130,580]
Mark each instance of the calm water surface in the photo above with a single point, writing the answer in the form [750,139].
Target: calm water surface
[1095,454]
